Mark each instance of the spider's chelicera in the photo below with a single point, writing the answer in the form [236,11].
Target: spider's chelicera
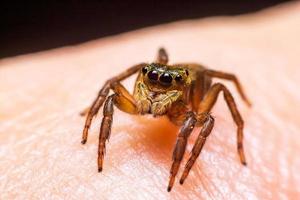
[184,92]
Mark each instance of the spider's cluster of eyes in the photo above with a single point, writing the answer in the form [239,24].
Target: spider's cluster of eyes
[164,78]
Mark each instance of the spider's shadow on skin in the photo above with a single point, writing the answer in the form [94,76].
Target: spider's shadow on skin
[156,135]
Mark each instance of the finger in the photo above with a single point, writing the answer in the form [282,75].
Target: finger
[40,127]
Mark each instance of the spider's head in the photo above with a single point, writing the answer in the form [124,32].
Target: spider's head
[161,78]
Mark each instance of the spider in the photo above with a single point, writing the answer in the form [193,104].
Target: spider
[183,92]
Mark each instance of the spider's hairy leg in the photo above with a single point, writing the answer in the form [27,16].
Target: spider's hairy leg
[204,133]
[105,129]
[164,101]
[209,101]
[162,56]
[98,102]
[180,146]
[96,105]
[125,102]
[230,77]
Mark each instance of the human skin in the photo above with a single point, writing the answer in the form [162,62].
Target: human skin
[41,95]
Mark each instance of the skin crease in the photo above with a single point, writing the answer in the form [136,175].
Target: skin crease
[41,95]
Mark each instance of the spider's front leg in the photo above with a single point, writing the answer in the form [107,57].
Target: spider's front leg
[96,105]
[105,129]
[163,102]
[180,146]
[125,102]
[208,123]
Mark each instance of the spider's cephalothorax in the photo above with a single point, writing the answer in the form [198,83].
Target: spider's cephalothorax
[183,92]
[159,86]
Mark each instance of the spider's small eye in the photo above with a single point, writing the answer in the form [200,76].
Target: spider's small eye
[153,75]
[166,78]
[187,72]
[178,78]
[144,70]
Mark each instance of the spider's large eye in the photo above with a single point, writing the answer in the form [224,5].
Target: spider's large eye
[166,78]
[178,78]
[153,75]
[144,70]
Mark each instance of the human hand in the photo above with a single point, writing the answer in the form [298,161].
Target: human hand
[42,95]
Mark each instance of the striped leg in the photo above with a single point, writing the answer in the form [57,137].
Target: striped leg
[180,146]
[206,130]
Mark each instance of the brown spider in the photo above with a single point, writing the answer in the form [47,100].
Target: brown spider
[183,92]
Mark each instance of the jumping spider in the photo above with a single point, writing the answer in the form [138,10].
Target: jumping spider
[183,92]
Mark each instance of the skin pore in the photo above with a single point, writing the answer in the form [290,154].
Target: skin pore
[42,94]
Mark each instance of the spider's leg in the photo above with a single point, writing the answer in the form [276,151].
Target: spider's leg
[180,146]
[125,102]
[96,105]
[207,104]
[205,131]
[230,77]
[162,56]
[105,129]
